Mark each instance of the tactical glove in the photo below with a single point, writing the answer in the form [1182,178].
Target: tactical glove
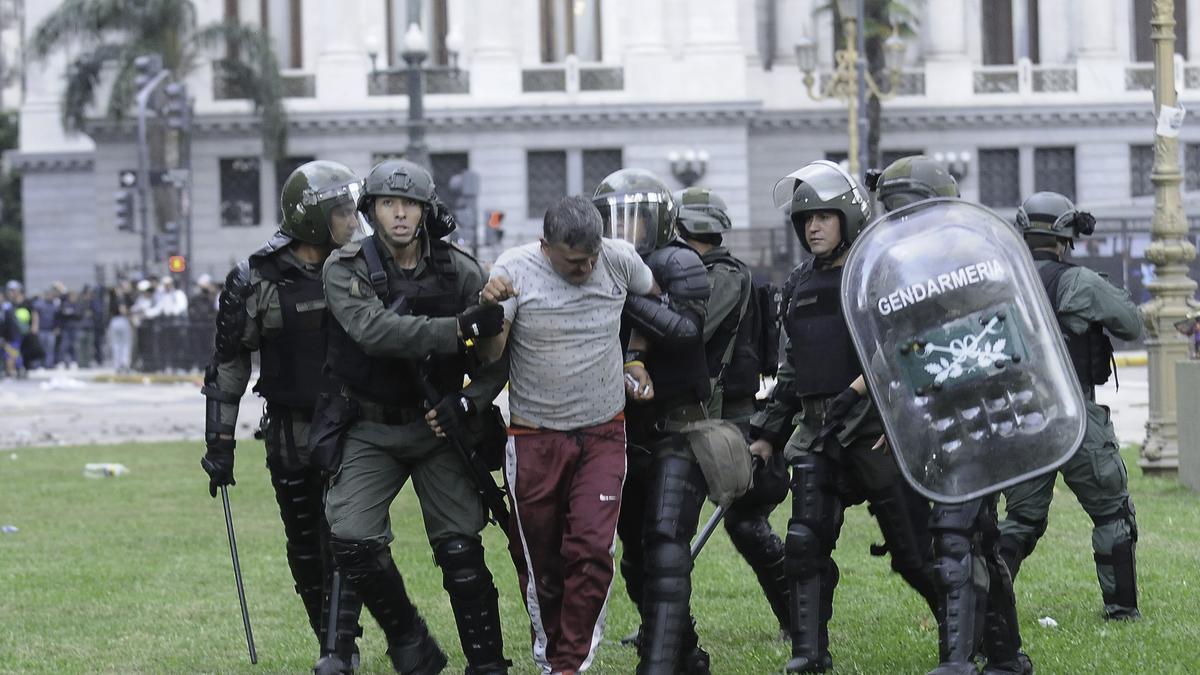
[481,321]
[218,464]
[452,412]
[842,404]
[835,415]
[441,219]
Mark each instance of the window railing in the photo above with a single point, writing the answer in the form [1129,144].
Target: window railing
[1025,77]
[571,76]
[294,84]
[438,80]
[1140,76]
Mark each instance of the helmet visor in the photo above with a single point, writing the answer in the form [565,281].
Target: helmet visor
[339,209]
[825,178]
[632,217]
[899,200]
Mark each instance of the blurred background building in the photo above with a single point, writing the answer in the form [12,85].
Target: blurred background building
[542,98]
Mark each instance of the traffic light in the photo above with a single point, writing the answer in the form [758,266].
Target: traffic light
[495,228]
[168,240]
[124,210]
[176,108]
[177,264]
[145,68]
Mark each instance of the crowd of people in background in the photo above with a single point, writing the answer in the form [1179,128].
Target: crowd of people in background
[145,325]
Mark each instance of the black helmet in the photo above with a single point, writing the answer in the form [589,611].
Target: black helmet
[636,206]
[912,179]
[701,211]
[1050,213]
[310,196]
[823,186]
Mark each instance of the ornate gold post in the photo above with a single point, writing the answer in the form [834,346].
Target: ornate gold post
[1170,251]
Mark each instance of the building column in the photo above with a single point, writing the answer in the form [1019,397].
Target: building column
[1101,70]
[494,63]
[949,72]
[646,56]
[342,63]
[712,52]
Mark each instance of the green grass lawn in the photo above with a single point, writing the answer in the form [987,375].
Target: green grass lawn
[132,574]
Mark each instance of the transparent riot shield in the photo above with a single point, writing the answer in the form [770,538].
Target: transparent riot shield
[961,350]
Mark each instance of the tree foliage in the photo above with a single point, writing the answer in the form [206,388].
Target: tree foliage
[106,36]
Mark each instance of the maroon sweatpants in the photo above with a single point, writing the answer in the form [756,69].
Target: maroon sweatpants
[565,488]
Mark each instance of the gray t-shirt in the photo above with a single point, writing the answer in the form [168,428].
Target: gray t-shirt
[565,354]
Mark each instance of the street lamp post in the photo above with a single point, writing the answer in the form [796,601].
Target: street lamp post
[851,83]
[414,54]
[416,49]
[1170,251]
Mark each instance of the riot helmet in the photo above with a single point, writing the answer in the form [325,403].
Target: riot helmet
[701,213]
[823,186]
[636,206]
[401,178]
[1052,214]
[319,202]
[912,179]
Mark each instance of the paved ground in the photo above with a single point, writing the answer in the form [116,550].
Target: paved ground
[71,408]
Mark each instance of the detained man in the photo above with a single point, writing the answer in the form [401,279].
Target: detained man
[565,462]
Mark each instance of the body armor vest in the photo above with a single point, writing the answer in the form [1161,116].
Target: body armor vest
[388,381]
[291,371]
[1092,352]
[822,352]
[718,344]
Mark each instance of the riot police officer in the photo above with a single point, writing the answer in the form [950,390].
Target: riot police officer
[965,534]
[664,488]
[273,303]
[1088,307]
[702,221]
[405,305]
[819,391]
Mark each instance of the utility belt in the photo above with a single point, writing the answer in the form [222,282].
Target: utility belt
[287,413]
[386,414]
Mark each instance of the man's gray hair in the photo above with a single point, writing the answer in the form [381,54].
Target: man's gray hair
[575,222]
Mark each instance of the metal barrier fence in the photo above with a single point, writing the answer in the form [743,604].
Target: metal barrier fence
[173,343]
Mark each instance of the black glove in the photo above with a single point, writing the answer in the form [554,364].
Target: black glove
[452,412]
[441,219]
[481,321]
[839,407]
[218,464]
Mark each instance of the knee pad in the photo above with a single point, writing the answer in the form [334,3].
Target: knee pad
[753,537]
[805,551]
[953,559]
[358,558]
[668,566]
[464,572]
[668,559]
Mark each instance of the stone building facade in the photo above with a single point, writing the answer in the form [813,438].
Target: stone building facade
[544,97]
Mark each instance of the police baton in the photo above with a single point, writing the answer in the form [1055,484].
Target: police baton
[237,574]
[709,528]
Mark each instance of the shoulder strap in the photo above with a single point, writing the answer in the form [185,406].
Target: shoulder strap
[1051,274]
[443,259]
[375,269]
